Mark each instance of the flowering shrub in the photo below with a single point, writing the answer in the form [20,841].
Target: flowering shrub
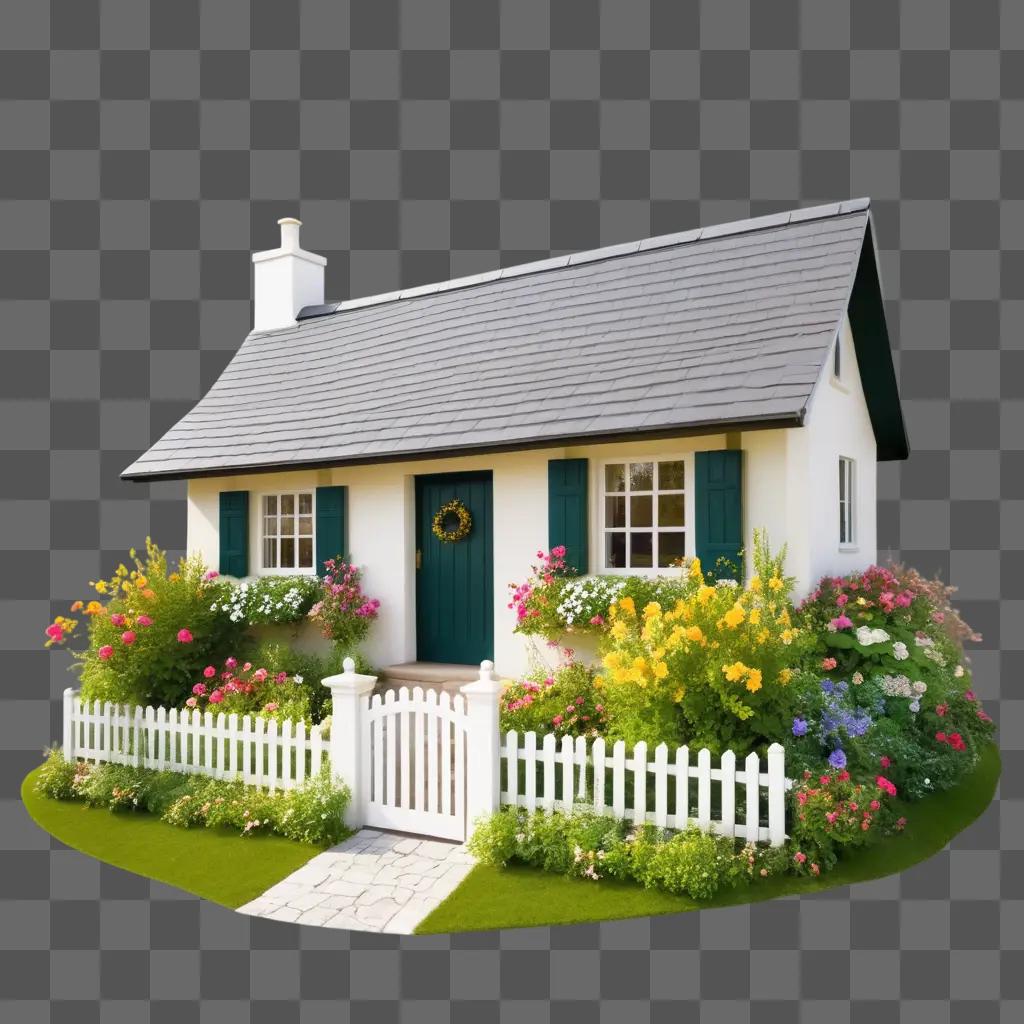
[150,632]
[242,689]
[834,812]
[269,599]
[712,670]
[591,846]
[342,611]
[563,701]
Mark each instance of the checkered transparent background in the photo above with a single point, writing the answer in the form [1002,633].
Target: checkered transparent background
[146,149]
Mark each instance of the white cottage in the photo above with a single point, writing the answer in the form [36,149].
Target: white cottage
[637,403]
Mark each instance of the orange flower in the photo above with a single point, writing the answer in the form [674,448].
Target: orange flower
[148,594]
[77,606]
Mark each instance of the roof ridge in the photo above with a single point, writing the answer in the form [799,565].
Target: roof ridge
[738,227]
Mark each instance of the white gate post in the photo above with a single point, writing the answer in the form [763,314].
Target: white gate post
[776,794]
[348,704]
[483,768]
[69,720]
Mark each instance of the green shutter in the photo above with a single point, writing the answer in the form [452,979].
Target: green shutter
[719,507]
[234,533]
[331,509]
[567,510]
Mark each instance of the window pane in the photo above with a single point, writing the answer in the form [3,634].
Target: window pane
[270,505]
[287,553]
[305,526]
[615,511]
[671,509]
[269,526]
[614,550]
[670,476]
[287,504]
[640,511]
[641,476]
[287,526]
[615,478]
[640,551]
[671,547]
[842,479]
[269,553]
[306,553]
[305,504]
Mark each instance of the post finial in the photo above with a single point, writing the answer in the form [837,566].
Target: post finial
[348,665]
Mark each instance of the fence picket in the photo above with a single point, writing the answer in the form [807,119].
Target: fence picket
[752,770]
[548,793]
[405,720]
[300,752]
[257,749]
[137,738]
[419,800]
[446,756]
[246,744]
[512,761]
[704,788]
[597,752]
[389,725]
[286,754]
[619,779]
[640,783]
[530,760]
[661,785]
[160,738]
[728,760]
[432,756]
[272,776]
[316,750]
[568,763]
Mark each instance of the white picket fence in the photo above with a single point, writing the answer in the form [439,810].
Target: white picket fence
[532,781]
[223,746]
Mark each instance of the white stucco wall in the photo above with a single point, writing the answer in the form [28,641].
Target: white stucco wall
[790,488]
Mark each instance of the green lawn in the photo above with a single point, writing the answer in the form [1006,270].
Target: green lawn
[218,865]
[519,896]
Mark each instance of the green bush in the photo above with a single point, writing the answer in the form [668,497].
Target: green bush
[586,845]
[563,701]
[57,776]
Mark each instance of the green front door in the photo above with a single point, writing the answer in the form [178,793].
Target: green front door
[454,579]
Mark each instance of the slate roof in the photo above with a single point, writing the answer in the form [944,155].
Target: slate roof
[721,327]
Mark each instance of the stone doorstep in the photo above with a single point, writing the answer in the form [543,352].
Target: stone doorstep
[435,675]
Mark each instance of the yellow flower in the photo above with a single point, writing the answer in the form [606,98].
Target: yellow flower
[100,586]
[93,608]
[626,604]
[679,694]
[613,610]
[696,572]
[141,581]
[783,619]
[734,672]
[612,660]
[762,637]
[174,577]
[705,593]
[694,634]
[619,630]
[775,583]
[734,616]
[640,663]
[785,675]
[787,636]
[660,670]
[755,584]
[652,610]
[755,616]
[861,601]
[754,680]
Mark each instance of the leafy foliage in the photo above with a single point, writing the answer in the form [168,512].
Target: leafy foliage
[342,611]
[564,701]
[270,599]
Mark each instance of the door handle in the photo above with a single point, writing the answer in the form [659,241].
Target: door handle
[419,559]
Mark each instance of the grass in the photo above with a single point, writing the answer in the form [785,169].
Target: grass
[218,865]
[519,896]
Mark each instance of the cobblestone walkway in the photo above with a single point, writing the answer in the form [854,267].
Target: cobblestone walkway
[374,882]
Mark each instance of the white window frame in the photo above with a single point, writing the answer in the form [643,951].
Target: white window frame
[599,519]
[263,570]
[848,506]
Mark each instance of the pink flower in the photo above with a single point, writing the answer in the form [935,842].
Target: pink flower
[941,710]
[884,761]
[144,620]
[874,805]
[558,551]
[231,663]
[216,697]
[128,637]
[191,702]
[885,785]
[842,599]
[597,620]
[55,632]
[117,619]
[829,663]
[815,870]
[799,857]
[841,622]
[270,707]
[105,652]
[260,674]
[247,666]
[969,695]
[211,575]
[199,689]
[209,671]
[184,636]
[557,720]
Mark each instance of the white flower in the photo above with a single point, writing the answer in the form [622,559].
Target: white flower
[297,678]
[899,651]
[958,671]
[866,636]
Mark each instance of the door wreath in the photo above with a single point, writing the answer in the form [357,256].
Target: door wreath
[461,531]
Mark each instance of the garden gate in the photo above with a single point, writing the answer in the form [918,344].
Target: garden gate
[420,761]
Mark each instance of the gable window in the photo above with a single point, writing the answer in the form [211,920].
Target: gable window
[846,500]
[287,531]
[643,508]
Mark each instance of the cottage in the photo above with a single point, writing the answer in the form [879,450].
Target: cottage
[637,403]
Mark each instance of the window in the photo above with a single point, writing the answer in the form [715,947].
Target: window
[837,358]
[644,514]
[846,496]
[288,531]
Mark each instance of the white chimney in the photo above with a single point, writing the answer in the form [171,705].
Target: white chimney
[285,280]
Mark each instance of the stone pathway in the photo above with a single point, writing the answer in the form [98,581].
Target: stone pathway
[374,882]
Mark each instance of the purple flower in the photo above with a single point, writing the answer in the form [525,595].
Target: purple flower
[799,727]
[837,759]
